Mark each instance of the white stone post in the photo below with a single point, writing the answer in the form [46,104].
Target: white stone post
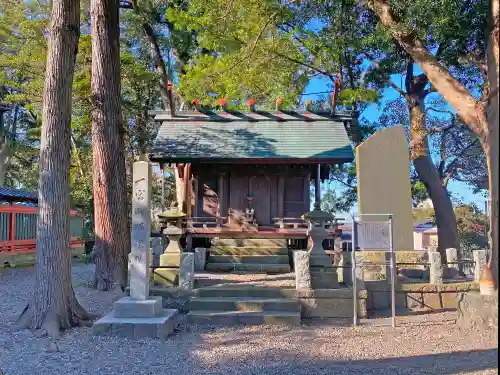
[141,230]
[452,258]
[480,257]
[436,268]
[302,271]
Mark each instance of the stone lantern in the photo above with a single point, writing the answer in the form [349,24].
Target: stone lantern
[172,228]
[323,273]
[170,261]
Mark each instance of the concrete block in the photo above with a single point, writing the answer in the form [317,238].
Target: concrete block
[478,311]
[128,307]
[302,270]
[200,258]
[380,300]
[324,278]
[186,271]
[136,328]
[432,301]
[331,308]
[166,277]
[344,273]
[414,300]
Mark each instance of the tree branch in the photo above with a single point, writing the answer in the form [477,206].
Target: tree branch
[388,80]
[448,176]
[460,99]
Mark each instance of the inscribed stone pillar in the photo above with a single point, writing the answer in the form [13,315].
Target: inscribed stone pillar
[479,263]
[141,230]
[452,258]
[435,268]
[383,175]
[302,271]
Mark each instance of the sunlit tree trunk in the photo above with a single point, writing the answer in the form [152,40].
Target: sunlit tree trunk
[53,306]
[109,174]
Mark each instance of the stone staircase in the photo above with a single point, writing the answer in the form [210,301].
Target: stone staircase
[247,304]
[253,255]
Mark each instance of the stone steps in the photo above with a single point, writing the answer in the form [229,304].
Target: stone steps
[231,305]
[256,267]
[250,259]
[249,304]
[248,250]
[250,242]
[244,317]
[246,292]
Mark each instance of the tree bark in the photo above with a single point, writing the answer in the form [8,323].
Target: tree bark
[446,221]
[54,306]
[491,146]
[427,173]
[109,177]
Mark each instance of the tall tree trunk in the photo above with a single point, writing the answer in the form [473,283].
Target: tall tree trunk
[53,306]
[427,173]
[446,221]
[491,146]
[109,177]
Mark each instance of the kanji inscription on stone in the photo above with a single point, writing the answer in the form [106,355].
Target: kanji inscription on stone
[141,230]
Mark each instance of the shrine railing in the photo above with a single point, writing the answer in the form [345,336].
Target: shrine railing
[298,223]
[206,222]
[18,229]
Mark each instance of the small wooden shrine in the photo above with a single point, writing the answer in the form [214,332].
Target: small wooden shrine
[248,173]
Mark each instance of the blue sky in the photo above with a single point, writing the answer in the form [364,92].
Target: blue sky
[458,189]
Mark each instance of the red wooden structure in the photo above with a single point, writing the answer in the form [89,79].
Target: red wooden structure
[18,229]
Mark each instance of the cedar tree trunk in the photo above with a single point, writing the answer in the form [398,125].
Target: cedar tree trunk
[109,177]
[53,306]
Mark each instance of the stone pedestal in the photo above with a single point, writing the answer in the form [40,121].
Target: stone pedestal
[302,272]
[139,315]
[200,258]
[180,275]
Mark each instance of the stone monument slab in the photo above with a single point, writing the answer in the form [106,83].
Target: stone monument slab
[383,176]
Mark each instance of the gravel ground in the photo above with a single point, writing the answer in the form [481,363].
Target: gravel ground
[425,344]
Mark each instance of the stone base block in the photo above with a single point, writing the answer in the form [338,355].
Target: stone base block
[200,258]
[128,307]
[170,259]
[324,278]
[477,311]
[331,303]
[321,260]
[186,271]
[135,328]
[166,277]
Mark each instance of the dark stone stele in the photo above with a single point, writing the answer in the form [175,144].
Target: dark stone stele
[478,311]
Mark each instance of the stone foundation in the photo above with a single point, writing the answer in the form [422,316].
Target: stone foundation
[331,303]
[417,295]
[477,311]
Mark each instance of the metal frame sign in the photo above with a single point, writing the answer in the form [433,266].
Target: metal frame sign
[373,235]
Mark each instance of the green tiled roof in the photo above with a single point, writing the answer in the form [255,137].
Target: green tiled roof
[251,135]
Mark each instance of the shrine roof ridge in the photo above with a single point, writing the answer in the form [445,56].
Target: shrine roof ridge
[252,116]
